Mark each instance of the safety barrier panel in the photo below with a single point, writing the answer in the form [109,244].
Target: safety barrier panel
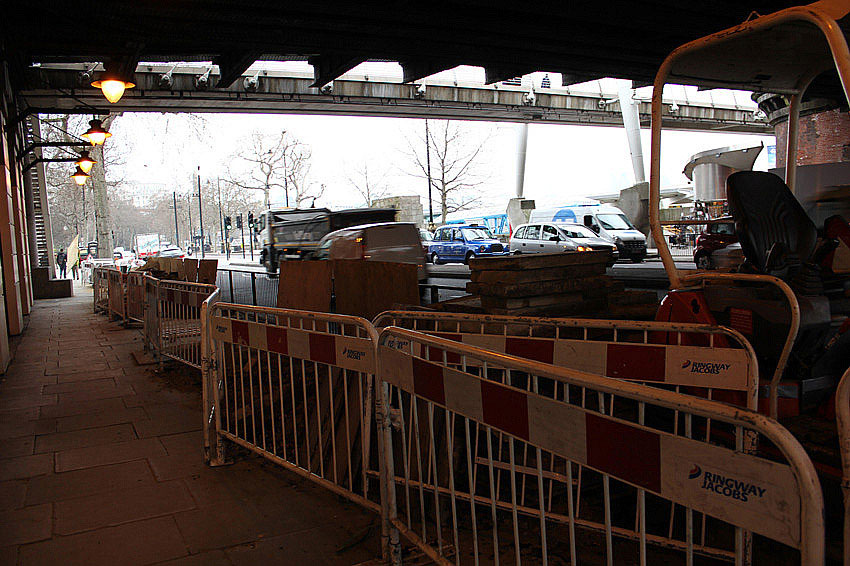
[712,361]
[842,414]
[178,308]
[100,289]
[295,387]
[117,294]
[135,296]
[495,458]
[150,325]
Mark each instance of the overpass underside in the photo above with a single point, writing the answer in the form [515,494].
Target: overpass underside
[295,93]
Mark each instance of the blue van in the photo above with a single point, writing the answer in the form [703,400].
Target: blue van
[460,243]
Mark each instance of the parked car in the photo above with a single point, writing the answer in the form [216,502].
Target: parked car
[123,257]
[171,251]
[426,237]
[558,237]
[385,241]
[462,243]
[718,234]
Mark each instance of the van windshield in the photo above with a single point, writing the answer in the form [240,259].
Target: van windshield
[614,222]
[476,233]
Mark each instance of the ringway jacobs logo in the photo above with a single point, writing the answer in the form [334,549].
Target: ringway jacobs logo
[353,354]
[713,368]
[727,486]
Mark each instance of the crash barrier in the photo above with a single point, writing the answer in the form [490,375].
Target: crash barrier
[117,294]
[295,387]
[701,277]
[247,287]
[486,456]
[178,311]
[135,297]
[709,361]
[150,326]
[100,289]
[494,457]
[842,415]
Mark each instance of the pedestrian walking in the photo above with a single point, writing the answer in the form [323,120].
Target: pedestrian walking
[75,270]
[62,261]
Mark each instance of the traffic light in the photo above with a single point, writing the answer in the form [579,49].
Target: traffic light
[239,221]
[227,223]
[251,219]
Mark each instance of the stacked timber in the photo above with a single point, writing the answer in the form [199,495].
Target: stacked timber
[558,284]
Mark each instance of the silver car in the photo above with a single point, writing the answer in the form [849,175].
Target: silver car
[550,237]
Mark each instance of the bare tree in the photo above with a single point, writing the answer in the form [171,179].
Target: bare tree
[370,184]
[455,163]
[272,162]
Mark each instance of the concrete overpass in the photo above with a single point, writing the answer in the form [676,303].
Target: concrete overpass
[379,89]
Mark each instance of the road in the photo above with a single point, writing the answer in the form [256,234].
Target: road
[249,279]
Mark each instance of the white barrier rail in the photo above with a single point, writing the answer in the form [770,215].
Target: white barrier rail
[705,360]
[500,459]
[297,388]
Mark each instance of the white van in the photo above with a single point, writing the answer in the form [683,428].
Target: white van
[397,242]
[609,222]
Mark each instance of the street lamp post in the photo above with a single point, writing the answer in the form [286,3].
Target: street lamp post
[220,214]
[200,212]
[428,165]
[176,230]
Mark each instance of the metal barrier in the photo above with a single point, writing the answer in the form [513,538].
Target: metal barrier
[179,320]
[135,296]
[247,287]
[151,319]
[117,293]
[495,458]
[100,289]
[709,361]
[297,388]
[842,414]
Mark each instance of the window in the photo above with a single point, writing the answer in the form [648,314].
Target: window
[725,228]
[456,235]
[533,233]
[614,222]
[577,231]
[520,234]
[550,233]
[476,233]
[443,235]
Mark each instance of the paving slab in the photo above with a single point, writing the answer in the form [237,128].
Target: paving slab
[88,481]
[82,438]
[27,524]
[26,466]
[79,458]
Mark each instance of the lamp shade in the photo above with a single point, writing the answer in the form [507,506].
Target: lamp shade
[85,162]
[80,176]
[96,134]
[112,83]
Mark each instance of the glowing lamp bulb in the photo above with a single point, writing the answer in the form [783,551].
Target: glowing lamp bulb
[85,162]
[80,176]
[96,134]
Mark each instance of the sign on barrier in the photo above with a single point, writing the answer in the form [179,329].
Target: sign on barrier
[481,443]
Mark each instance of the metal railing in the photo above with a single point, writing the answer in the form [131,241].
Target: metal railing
[297,388]
[714,362]
[116,282]
[100,290]
[842,414]
[136,296]
[179,313]
[495,459]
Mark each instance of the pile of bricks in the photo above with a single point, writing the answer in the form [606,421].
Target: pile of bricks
[559,284]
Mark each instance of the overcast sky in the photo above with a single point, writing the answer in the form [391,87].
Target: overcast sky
[564,163]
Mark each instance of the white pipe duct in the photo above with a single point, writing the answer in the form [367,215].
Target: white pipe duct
[631,121]
[522,145]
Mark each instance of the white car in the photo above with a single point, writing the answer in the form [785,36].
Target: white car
[550,237]
[397,242]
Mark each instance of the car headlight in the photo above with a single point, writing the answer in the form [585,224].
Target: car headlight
[482,248]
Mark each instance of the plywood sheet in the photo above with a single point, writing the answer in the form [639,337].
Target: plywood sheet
[190,267]
[207,269]
[304,285]
[366,288]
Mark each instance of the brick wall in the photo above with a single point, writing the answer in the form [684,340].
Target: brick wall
[824,138]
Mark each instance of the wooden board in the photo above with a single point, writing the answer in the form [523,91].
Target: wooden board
[367,288]
[190,266]
[207,269]
[543,274]
[537,261]
[304,285]
[181,270]
[583,309]
[536,288]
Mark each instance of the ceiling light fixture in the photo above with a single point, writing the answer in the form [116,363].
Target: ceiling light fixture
[85,162]
[80,176]
[112,83]
[96,134]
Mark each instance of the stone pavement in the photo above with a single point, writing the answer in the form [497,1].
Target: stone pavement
[101,462]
